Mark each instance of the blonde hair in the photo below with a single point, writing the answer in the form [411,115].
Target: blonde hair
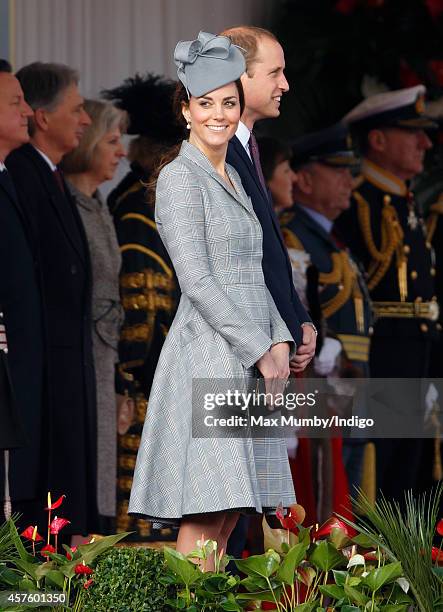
[247,38]
[104,118]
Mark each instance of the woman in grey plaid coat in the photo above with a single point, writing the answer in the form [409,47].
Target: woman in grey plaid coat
[226,322]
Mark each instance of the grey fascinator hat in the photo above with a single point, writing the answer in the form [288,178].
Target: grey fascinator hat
[207,63]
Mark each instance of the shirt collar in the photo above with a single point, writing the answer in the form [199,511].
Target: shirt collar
[323,221]
[46,158]
[2,166]
[383,179]
[244,134]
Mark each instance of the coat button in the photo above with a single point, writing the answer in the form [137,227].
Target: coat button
[407,249]
[73,269]
[413,274]
[424,328]
[432,271]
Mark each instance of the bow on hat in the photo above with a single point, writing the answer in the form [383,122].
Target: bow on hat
[206,45]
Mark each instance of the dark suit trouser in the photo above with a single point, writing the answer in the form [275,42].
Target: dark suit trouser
[399,460]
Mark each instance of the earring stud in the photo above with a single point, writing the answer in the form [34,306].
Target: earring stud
[188,125]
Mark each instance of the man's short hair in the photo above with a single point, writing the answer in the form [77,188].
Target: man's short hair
[5,66]
[44,84]
[104,118]
[247,38]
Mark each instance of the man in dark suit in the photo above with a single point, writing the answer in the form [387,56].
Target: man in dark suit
[264,83]
[70,424]
[21,346]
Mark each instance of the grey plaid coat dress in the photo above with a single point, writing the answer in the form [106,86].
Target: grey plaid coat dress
[225,322]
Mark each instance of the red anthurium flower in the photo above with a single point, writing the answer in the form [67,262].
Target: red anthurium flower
[56,504]
[68,555]
[88,583]
[295,517]
[437,555]
[440,527]
[57,525]
[30,533]
[47,549]
[370,556]
[329,525]
[81,568]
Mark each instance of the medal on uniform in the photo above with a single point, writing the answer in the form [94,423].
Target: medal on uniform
[412,217]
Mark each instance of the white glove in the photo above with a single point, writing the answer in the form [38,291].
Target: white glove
[430,398]
[326,361]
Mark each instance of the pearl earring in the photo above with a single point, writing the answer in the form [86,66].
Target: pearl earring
[188,125]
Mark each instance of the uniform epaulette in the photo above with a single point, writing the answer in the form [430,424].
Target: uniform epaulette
[291,240]
[286,218]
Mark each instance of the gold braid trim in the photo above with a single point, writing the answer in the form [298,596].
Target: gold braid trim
[291,240]
[434,211]
[343,274]
[391,239]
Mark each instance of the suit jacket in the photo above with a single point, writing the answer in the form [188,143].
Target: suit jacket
[22,368]
[341,316]
[276,265]
[225,322]
[65,274]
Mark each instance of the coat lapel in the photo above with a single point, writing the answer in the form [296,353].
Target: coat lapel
[58,201]
[315,227]
[191,152]
[247,163]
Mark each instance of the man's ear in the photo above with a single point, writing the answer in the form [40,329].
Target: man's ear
[377,140]
[41,119]
[304,181]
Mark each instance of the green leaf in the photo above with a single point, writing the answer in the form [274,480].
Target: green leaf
[332,590]
[395,607]
[89,552]
[350,609]
[275,538]
[340,577]
[55,578]
[260,565]
[438,571]
[326,557]
[383,575]
[9,577]
[292,560]
[28,568]
[339,538]
[307,607]
[182,567]
[23,554]
[259,596]
[254,583]
[356,596]
[230,604]
[364,541]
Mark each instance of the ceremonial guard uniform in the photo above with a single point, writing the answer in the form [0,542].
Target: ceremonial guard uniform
[386,232]
[342,293]
[148,285]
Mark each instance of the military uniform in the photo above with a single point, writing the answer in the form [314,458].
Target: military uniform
[385,230]
[149,293]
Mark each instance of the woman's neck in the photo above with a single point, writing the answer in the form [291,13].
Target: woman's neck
[84,182]
[216,156]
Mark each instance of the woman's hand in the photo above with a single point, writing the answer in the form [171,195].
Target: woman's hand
[280,354]
[267,366]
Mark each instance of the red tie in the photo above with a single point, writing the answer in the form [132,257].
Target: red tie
[253,147]
[59,179]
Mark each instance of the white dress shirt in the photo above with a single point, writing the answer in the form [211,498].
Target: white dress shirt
[243,134]
[46,158]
